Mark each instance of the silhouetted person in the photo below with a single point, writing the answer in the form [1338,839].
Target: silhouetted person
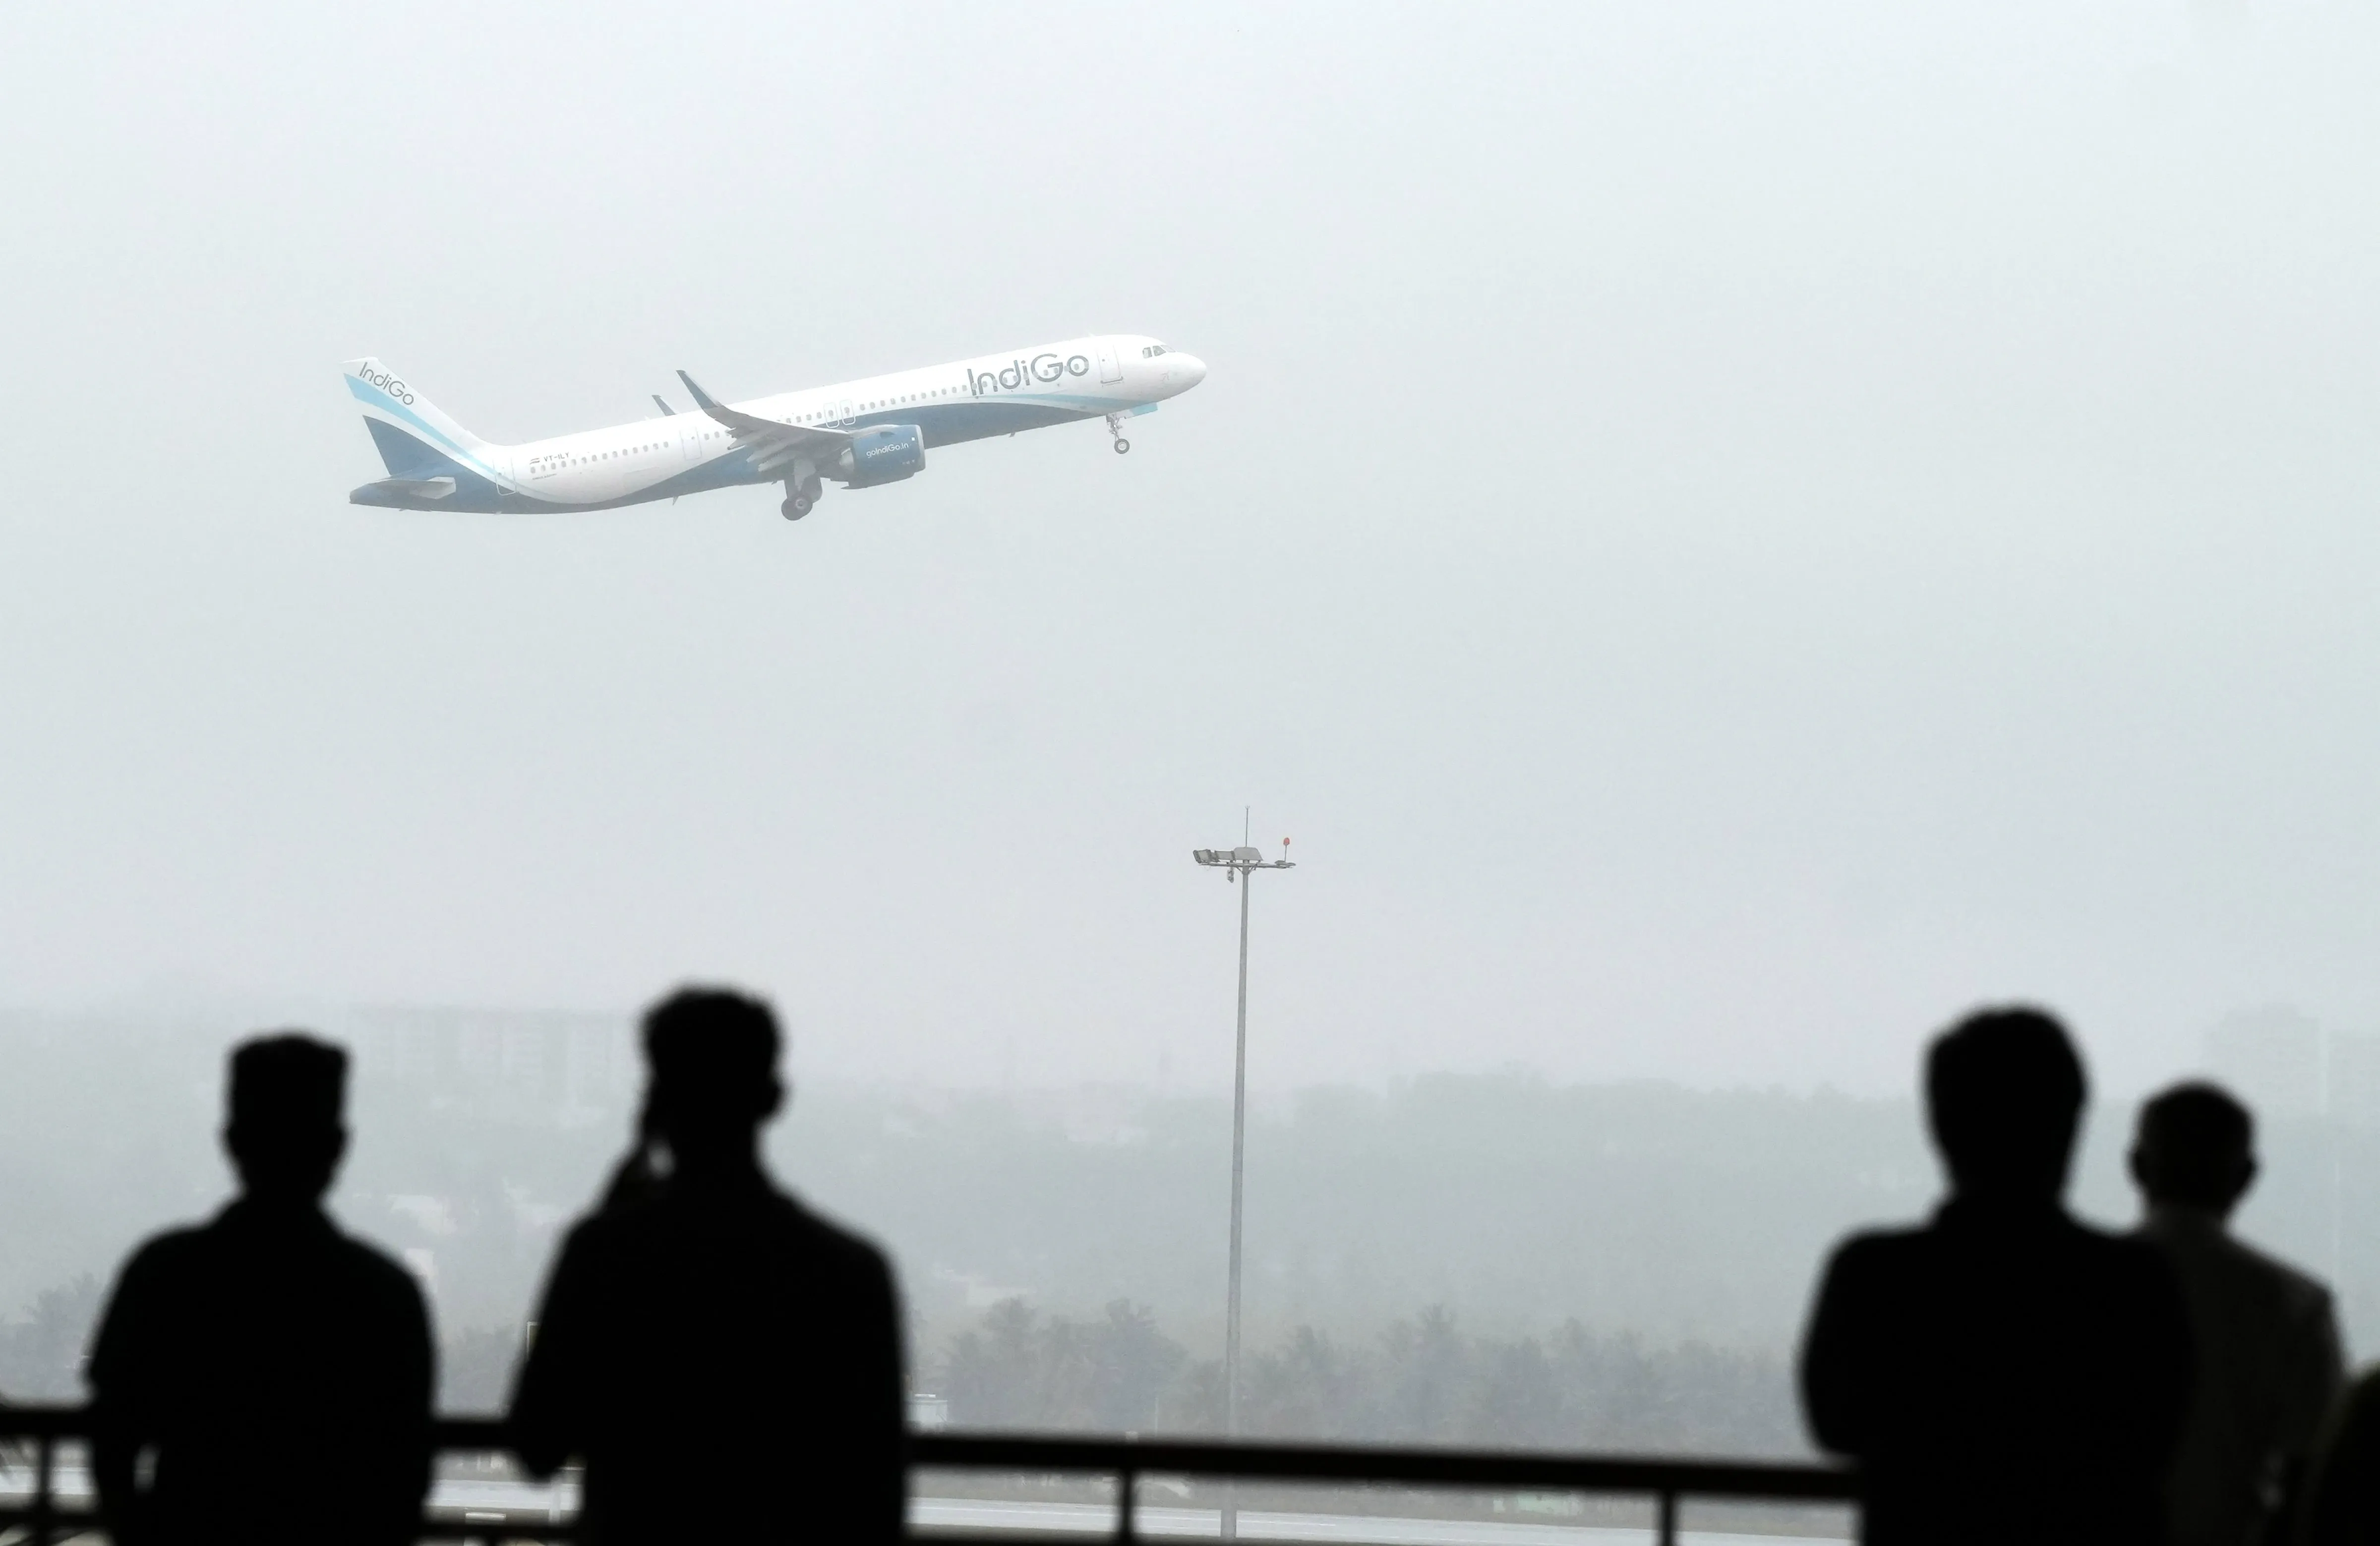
[2001,1373]
[727,1363]
[2269,1364]
[277,1373]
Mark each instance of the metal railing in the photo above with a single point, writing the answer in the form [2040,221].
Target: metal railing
[40,1431]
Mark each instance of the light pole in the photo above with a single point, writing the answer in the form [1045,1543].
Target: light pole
[1237,864]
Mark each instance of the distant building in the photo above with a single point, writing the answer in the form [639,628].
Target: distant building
[540,1065]
[929,1411]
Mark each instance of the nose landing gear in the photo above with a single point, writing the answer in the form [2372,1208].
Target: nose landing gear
[1115,428]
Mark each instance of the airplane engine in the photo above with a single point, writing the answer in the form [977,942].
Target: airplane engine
[884,455]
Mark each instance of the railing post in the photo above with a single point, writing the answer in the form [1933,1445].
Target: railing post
[1666,1530]
[1127,1488]
[44,1469]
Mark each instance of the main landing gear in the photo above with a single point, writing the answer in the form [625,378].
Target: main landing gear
[1115,428]
[801,497]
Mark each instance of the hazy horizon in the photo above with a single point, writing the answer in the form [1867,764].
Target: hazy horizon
[221,1013]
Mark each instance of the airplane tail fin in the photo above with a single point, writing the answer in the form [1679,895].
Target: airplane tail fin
[414,439]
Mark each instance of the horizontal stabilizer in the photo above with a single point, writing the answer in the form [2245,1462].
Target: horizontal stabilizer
[403,493]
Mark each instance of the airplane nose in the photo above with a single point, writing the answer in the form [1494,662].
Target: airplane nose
[1184,371]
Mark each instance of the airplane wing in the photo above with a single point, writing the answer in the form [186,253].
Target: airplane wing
[771,442]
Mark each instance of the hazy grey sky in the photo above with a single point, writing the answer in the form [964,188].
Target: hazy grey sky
[1726,533]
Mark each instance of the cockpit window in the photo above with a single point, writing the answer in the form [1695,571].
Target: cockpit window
[1152,351]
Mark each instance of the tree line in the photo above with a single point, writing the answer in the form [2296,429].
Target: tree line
[1422,1379]
[42,1350]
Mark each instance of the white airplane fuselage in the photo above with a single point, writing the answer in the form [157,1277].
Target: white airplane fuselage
[858,433]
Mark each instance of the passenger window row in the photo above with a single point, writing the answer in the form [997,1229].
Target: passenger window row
[831,415]
[608,456]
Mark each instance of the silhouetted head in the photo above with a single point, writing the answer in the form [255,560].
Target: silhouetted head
[712,1053]
[2004,1091]
[2195,1148]
[286,1130]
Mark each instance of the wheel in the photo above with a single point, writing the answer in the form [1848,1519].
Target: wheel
[795,507]
[1122,446]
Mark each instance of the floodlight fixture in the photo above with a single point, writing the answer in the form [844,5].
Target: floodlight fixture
[1238,861]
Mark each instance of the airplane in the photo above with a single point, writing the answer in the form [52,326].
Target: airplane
[860,434]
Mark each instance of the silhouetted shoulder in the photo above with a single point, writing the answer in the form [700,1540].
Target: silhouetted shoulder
[377,1268]
[2294,1294]
[2206,1251]
[2129,1254]
[1870,1259]
[167,1253]
[769,1211]
[1881,1250]
[181,1272]
[201,1249]
[1868,1283]
[834,1240]
[146,1288]
[1953,1241]
[1876,1258]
